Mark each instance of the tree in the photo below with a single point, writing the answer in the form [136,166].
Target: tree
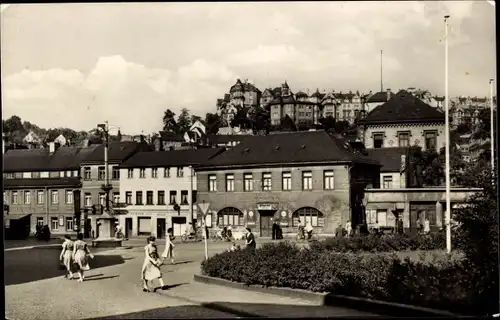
[259,120]
[195,118]
[425,168]
[183,121]
[241,120]
[287,124]
[169,123]
[341,126]
[213,122]
[328,123]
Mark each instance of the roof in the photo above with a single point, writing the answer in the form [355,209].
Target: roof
[217,139]
[403,108]
[171,136]
[389,158]
[289,148]
[301,94]
[171,158]
[117,152]
[64,158]
[73,182]
[379,97]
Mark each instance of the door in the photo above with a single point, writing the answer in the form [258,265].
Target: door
[266,226]
[179,225]
[144,227]
[160,228]
[128,227]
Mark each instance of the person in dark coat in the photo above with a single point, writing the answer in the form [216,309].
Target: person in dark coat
[250,240]
[340,231]
[275,229]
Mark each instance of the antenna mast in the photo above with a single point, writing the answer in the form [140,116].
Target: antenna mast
[381,79]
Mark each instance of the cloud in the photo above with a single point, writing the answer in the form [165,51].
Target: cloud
[128,95]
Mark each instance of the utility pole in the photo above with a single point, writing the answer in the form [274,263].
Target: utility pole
[381,78]
[447,138]
[492,131]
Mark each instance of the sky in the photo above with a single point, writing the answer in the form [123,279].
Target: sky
[76,65]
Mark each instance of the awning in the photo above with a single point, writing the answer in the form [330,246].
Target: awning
[16,216]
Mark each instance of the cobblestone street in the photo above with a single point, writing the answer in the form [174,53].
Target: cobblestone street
[36,289]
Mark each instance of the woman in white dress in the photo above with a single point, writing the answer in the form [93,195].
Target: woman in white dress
[169,247]
[66,256]
[151,266]
[81,253]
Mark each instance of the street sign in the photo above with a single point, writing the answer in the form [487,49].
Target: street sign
[204,207]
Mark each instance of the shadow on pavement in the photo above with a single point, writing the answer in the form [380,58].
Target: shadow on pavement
[100,277]
[168,287]
[37,264]
[183,262]
[237,310]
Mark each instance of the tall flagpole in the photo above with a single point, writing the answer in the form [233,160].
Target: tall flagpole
[447,137]
[492,131]
[381,74]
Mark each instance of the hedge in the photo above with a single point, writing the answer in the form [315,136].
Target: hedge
[387,243]
[443,284]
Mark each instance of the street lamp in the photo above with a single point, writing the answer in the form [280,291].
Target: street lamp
[447,138]
[106,187]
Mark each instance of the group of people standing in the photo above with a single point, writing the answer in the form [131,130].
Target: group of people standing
[75,257]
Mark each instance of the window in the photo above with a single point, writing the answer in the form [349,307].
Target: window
[404,139]
[5,197]
[184,197]
[387,181]
[54,223]
[430,140]
[40,221]
[286,178]
[230,217]
[69,196]
[149,197]
[27,197]
[266,181]
[166,172]
[128,197]
[306,215]
[54,196]
[102,199]
[69,224]
[180,172]
[229,182]
[10,175]
[378,140]
[88,200]
[116,173]
[138,198]
[101,173]
[130,173]
[212,182]
[307,180]
[40,197]
[116,198]
[142,173]
[86,173]
[329,180]
[14,197]
[161,198]
[173,196]
[248,182]
[154,173]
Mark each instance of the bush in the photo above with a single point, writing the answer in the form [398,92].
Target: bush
[385,243]
[443,283]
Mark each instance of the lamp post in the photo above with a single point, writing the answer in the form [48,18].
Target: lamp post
[106,187]
[492,131]
[447,138]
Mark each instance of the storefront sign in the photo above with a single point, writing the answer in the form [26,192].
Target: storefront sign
[267,206]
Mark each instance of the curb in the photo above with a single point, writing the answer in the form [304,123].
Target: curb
[46,246]
[375,306]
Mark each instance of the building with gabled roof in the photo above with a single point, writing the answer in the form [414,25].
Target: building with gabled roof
[403,121]
[159,190]
[309,175]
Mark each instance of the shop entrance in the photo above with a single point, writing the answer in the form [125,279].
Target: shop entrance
[266,222]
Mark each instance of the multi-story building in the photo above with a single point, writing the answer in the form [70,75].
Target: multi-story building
[45,184]
[241,95]
[93,175]
[159,190]
[394,163]
[309,175]
[403,121]
[374,100]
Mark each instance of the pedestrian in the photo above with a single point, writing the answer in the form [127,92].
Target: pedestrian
[81,254]
[348,228]
[309,230]
[151,266]
[400,225]
[274,229]
[169,246]
[427,226]
[339,231]
[66,256]
[280,231]
[250,240]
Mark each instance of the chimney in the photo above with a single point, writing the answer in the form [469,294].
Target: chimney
[388,94]
[52,147]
